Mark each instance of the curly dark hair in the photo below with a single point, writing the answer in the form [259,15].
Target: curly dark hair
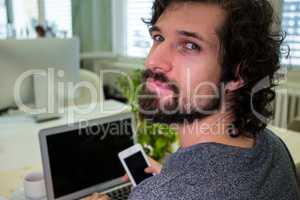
[251,50]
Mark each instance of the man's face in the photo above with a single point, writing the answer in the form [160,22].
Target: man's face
[183,66]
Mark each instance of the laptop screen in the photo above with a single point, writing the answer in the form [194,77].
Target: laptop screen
[88,156]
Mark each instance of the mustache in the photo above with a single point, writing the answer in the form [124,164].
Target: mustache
[160,76]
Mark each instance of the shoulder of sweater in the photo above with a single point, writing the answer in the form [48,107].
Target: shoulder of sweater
[273,139]
[144,190]
[148,189]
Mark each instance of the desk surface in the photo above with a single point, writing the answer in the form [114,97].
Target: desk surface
[19,145]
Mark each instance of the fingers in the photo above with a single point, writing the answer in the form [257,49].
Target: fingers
[149,170]
[104,197]
[92,197]
[125,178]
[152,170]
[155,167]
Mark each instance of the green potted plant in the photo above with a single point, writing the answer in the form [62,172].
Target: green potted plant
[157,139]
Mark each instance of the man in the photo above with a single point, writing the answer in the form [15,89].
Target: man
[210,74]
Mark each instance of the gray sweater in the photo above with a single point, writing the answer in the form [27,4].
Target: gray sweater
[212,171]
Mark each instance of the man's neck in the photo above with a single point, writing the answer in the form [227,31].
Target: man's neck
[215,128]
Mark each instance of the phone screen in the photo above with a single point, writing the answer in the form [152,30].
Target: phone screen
[136,165]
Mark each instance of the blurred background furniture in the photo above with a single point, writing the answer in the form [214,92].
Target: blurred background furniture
[37,70]
[294,125]
[287,102]
[286,105]
[90,88]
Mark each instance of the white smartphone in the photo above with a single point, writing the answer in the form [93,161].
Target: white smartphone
[134,161]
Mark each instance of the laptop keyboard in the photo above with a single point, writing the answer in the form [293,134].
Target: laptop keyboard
[120,194]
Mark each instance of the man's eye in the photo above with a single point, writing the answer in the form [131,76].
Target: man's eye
[158,38]
[192,46]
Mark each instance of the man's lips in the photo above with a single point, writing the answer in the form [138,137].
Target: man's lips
[158,87]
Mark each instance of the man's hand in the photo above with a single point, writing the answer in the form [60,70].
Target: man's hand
[97,196]
[155,167]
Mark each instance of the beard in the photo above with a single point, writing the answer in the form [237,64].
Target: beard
[170,112]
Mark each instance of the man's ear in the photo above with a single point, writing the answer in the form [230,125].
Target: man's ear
[236,83]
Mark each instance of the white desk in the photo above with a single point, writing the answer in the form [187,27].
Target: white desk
[19,144]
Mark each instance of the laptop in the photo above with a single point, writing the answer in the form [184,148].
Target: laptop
[82,158]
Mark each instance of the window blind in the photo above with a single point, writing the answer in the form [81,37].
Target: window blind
[291,25]
[58,13]
[25,15]
[138,39]
[3,19]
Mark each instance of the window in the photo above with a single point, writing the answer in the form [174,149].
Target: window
[58,14]
[291,25]
[25,17]
[138,41]
[3,19]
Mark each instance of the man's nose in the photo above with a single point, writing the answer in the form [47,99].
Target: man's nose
[160,58]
